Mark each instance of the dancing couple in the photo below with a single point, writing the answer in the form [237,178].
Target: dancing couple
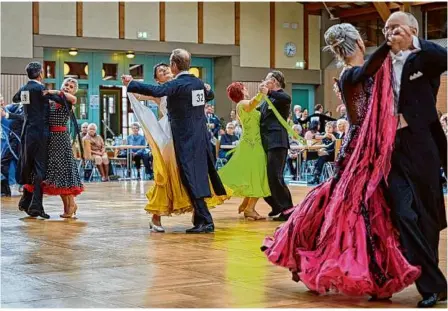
[374,228]
[184,174]
[256,167]
[46,162]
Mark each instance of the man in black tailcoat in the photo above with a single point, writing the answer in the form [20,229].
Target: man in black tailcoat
[420,150]
[276,143]
[186,97]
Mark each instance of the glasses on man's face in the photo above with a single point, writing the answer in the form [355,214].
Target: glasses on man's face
[389,29]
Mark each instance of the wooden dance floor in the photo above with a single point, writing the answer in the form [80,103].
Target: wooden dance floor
[107,258]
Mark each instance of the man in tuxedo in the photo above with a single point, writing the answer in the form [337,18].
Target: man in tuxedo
[417,205]
[276,143]
[186,97]
[33,155]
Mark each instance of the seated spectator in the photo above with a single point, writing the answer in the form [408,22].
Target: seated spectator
[312,132]
[99,154]
[135,139]
[297,114]
[329,114]
[342,112]
[342,128]
[293,153]
[236,123]
[229,138]
[84,128]
[304,122]
[325,154]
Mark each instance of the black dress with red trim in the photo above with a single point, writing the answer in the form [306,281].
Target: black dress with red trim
[62,175]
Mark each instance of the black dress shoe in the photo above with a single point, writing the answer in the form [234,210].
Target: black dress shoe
[428,301]
[280,217]
[202,229]
[273,214]
[442,296]
[38,214]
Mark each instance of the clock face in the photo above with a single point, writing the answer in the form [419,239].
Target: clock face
[290,49]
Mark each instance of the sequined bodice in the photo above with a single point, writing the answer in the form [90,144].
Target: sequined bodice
[357,106]
[250,122]
[59,115]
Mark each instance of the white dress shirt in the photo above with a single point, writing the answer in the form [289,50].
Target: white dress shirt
[398,61]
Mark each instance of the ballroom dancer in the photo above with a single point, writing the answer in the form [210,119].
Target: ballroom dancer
[276,143]
[414,181]
[341,236]
[167,196]
[62,176]
[186,97]
[34,138]
[246,172]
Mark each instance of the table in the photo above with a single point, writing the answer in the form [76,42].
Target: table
[128,156]
[301,149]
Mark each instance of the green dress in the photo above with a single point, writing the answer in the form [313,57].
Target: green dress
[246,171]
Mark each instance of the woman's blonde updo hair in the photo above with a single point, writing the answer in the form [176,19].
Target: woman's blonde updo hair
[74,81]
[341,40]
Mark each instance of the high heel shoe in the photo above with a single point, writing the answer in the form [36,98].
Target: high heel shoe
[242,208]
[70,215]
[155,228]
[253,216]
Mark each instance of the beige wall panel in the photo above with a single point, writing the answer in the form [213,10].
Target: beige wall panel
[10,84]
[16,29]
[314,42]
[181,21]
[219,22]
[141,16]
[57,18]
[255,39]
[291,13]
[100,19]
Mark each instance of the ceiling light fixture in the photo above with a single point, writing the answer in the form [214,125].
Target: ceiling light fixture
[73,52]
[130,54]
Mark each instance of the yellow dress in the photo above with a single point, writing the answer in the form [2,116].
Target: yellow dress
[168,195]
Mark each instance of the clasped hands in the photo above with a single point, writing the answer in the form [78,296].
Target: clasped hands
[401,39]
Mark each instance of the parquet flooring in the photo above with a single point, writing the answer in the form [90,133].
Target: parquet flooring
[107,258]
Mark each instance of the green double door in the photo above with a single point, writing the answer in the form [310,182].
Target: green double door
[303,95]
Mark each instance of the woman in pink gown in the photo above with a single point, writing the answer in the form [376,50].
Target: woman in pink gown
[341,236]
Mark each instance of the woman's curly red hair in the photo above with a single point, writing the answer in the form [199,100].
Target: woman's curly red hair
[235,92]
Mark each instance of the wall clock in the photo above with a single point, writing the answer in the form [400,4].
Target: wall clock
[290,49]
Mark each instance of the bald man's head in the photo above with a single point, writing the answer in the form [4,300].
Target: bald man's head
[402,18]
[180,60]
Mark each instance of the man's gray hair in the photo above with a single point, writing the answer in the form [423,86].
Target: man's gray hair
[411,20]
[136,125]
[85,124]
[182,59]
[342,40]
[93,125]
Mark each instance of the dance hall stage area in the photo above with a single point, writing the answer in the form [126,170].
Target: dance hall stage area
[107,258]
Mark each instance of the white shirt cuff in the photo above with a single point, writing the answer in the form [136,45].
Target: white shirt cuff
[7,115]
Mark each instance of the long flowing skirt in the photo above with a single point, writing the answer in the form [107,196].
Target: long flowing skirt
[168,195]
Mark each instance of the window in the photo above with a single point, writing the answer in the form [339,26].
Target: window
[81,110]
[136,71]
[49,70]
[75,70]
[110,72]
[434,22]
